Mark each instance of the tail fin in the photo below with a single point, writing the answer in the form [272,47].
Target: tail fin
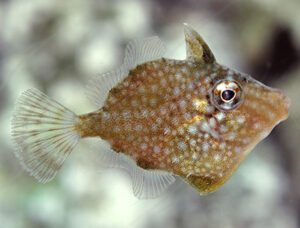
[44,134]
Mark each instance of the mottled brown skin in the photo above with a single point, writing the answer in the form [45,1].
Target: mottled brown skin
[159,116]
[193,118]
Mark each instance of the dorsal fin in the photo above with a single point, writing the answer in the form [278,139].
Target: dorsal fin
[196,48]
[137,52]
[141,51]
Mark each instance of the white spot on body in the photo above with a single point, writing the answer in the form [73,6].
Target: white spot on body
[134,103]
[167,130]
[205,127]
[175,160]
[153,101]
[163,110]
[154,127]
[214,134]
[238,150]
[128,127]
[217,157]
[222,146]
[175,121]
[257,126]
[192,129]
[207,80]
[231,136]
[207,165]
[182,103]
[195,156]
[117,129]
[220,116]
[152,113]
[138,127]
[154,88]
[137,114]
[144,146]
[212,122]
[202,90]
[223,129]
[156,149]
[205,147]
[213,75]
[187,116]
[167,151]
[176,91]
[181,130]
[209,109]
[156,65]
[141,89]
[172,106]
[181,145]
[145,113]
[246,140]
[106,116]
[191,86]
[174,132]
[184,70]
[163,82]
[126,114]
[241,119]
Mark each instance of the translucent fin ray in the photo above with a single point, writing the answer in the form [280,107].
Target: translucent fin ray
[44,134]
[146,184]
[98,87]
[141,51]
[137,52]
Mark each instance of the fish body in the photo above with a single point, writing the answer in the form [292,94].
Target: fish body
[191,118]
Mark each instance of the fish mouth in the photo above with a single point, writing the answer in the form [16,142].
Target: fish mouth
[283,104]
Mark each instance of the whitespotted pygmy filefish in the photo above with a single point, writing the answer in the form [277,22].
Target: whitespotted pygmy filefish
[161,118]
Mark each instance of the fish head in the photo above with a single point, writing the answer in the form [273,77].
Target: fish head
[251,109]
[245,112]
[234,112]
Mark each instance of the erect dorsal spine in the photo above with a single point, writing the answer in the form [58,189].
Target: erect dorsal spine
[196,48]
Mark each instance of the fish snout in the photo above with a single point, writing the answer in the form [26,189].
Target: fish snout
[281,104]
[267,104]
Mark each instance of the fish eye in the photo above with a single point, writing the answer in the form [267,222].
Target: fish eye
[227,95]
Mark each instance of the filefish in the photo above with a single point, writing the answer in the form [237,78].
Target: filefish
[160,119]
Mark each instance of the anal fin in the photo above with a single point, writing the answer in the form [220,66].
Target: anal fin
[146,184]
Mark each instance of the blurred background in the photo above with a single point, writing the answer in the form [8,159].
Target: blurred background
[56,46]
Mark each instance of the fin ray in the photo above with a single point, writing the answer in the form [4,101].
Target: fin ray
[146,184]
[97,88]
[141,51]
[137,52]
[44,134]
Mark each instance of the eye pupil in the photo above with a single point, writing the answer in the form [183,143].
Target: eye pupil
[228,95]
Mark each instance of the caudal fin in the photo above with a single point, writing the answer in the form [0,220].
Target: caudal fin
[44,133]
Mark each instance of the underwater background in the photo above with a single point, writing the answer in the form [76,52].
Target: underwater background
[57,46]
